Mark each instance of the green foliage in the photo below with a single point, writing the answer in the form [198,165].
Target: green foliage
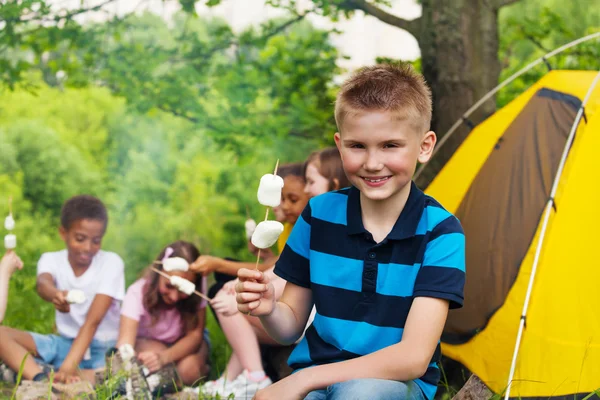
[531,29]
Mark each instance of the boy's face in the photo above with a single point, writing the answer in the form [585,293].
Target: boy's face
[293,198]
[83,240]
[380,153]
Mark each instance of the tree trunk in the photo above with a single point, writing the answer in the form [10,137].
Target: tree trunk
[459,50]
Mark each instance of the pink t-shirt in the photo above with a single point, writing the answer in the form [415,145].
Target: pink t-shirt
[168,326]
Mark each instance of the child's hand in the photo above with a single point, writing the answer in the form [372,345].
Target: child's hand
[205,265]
[64,375]
[151,360]
[60,301]
[224,303]
[255,293]
[10,262]
[229,287]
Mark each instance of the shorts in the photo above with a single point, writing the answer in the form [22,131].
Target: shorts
[53,349]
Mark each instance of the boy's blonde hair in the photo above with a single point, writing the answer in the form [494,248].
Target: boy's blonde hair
[398,89]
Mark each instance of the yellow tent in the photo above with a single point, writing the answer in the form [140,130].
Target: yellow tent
[498,183]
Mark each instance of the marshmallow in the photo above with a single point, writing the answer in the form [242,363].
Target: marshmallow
[175,264]
[126,351]
[10,241]
[9,223]
[250,226]
[269,190]
[266,234]
[75,296]
[182,284]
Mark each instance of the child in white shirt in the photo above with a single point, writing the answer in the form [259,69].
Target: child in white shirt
[87,327]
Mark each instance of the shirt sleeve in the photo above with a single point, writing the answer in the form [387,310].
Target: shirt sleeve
[46,265]
[293,264]
[113,278]
[442,273]
[133,306]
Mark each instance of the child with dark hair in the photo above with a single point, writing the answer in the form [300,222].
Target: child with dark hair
[85,284]
[165,325]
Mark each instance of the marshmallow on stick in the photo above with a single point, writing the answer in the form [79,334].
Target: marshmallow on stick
[269,195]
[10,240]
[175,264]
[182,284]
[250,226]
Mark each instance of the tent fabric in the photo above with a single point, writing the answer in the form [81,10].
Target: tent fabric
[498,216]
[560,351]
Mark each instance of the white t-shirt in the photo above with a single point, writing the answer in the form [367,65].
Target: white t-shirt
[104,276]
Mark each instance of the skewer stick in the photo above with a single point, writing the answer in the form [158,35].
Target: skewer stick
[169,277]
[266,218]
[10,205]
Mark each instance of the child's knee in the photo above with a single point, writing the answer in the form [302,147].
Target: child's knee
[375,389]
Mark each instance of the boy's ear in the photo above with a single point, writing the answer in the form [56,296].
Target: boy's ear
[427,146]
[63,233]
[338,141]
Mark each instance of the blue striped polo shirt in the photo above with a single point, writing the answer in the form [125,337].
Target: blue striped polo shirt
[363,290]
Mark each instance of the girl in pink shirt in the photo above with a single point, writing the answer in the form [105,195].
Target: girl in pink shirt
[165,325]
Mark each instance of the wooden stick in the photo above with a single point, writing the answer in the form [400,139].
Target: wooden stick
[10,205]
[169,277]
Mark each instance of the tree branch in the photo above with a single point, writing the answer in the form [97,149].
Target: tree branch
[498,4]
[412,26]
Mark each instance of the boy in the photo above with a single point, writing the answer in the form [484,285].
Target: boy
[381,261]
[86,330]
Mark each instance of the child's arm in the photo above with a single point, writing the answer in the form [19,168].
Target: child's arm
[284,320]
[407,360]
[206,264]
[48,291]
[10,263]
[128,328]
[189,344]
[96,313]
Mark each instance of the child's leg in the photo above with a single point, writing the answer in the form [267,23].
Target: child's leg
[380,389]
[259,331]
[14,346]
[243,341]
[193,367]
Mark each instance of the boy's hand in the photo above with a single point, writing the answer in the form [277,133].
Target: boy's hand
[10,262]
[290,388]
[151,360]
[60,301]
[255,293]
[64,375]
[205,265]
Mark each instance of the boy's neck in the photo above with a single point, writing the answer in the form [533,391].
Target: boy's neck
[379,217]
[78,270]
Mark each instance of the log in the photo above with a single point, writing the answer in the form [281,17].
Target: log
[30,390]
[474,389]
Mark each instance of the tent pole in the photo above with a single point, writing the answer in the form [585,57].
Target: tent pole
[540,242]
[500,86]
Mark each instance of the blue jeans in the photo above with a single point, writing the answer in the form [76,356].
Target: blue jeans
[53,349]
[369,389]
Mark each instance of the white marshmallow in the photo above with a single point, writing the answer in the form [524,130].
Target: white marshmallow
[269,190]
[250,226]
[182,284]
[176,264]
[9,223]
[10,241]
[127,352]
[266,234]
[76,296]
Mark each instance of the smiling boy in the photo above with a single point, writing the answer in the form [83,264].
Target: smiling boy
[85,330]
[381,261]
